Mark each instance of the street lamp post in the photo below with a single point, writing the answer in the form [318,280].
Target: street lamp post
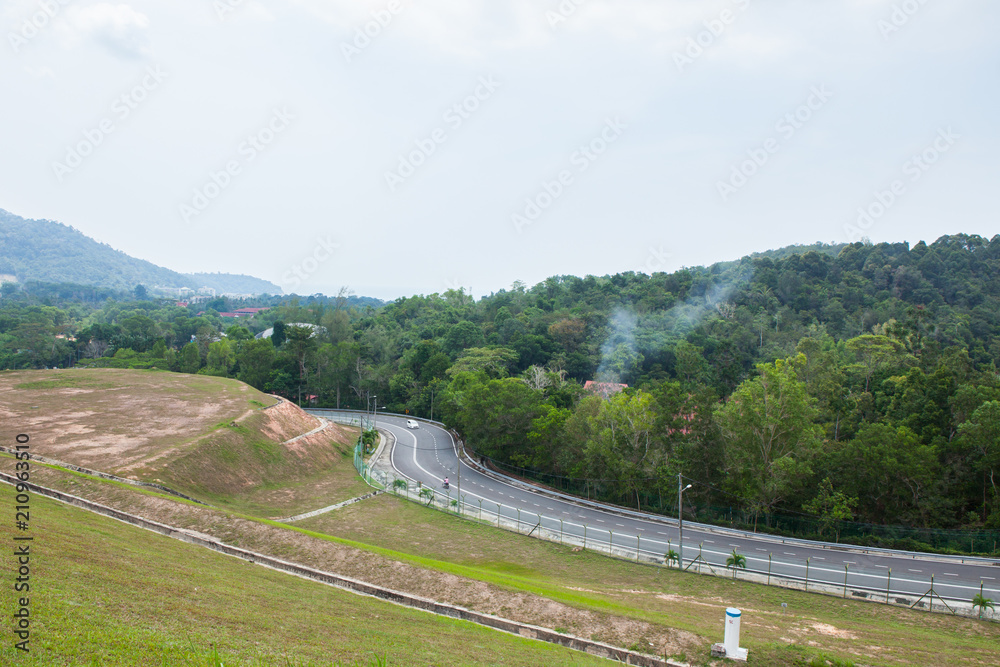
[680,521]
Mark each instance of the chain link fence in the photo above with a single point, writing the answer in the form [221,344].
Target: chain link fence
[805,574]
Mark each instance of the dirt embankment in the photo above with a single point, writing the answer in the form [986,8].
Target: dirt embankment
[198,434]
[116,420]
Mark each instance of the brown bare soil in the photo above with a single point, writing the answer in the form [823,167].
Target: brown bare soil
[215,439]
[114,420]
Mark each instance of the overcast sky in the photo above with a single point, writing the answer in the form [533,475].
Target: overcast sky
[398,147]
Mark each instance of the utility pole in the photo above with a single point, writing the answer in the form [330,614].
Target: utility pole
[680,521]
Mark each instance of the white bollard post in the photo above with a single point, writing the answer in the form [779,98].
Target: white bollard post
[732,638]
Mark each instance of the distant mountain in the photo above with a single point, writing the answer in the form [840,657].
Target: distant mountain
[50,251]
[231,283]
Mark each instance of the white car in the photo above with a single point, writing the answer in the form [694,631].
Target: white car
[410,423]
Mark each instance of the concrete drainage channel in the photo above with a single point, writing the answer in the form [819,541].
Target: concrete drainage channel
[356,586]
[107,476]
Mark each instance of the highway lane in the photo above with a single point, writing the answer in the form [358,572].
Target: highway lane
[428,455]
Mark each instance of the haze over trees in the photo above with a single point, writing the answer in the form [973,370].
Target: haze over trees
[47,251]
[840,383]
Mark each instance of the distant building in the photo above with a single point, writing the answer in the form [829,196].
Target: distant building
[267,333]
[604,389]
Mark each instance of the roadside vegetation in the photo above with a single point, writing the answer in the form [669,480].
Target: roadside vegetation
[843,392]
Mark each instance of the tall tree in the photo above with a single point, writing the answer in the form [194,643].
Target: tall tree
[769,434]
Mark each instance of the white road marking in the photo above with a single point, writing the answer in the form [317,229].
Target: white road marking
[916,570]
[789,553]
[949,574]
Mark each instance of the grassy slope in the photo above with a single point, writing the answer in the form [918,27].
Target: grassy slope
[811,625]
[865,632]
[179,430]
[105,593]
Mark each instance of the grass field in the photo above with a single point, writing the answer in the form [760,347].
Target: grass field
[104,593]
[865,632]
[404,546]
[411,548]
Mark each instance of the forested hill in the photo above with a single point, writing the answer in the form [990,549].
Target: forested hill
[798,388]
[47,251]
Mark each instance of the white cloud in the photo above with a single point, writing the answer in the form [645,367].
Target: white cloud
[119,28]
[42,72]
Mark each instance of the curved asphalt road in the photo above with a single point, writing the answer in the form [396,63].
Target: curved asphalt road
[428,455]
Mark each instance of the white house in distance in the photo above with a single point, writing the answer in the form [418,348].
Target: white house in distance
[267,333]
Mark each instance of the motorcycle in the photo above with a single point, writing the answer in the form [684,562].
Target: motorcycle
[446,483]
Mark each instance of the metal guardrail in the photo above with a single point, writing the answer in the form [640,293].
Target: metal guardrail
[604,540]
[705,527]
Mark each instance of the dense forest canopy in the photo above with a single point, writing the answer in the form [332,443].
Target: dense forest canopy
[829,383]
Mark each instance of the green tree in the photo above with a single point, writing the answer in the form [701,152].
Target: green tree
[890,472]
[982,435]
[874,353]
[735,561]
[831,507]
[622,447]
[982,603]
[255,359]
[238,333]
[301,344]
[190,359]
[221,358]
[491,362]
[769,434]
[278,334]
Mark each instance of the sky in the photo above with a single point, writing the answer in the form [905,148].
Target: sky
[396,147]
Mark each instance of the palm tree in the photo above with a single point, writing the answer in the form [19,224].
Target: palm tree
[428,494]
[736,560]
[982,603]
[672,557]
[399,485]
